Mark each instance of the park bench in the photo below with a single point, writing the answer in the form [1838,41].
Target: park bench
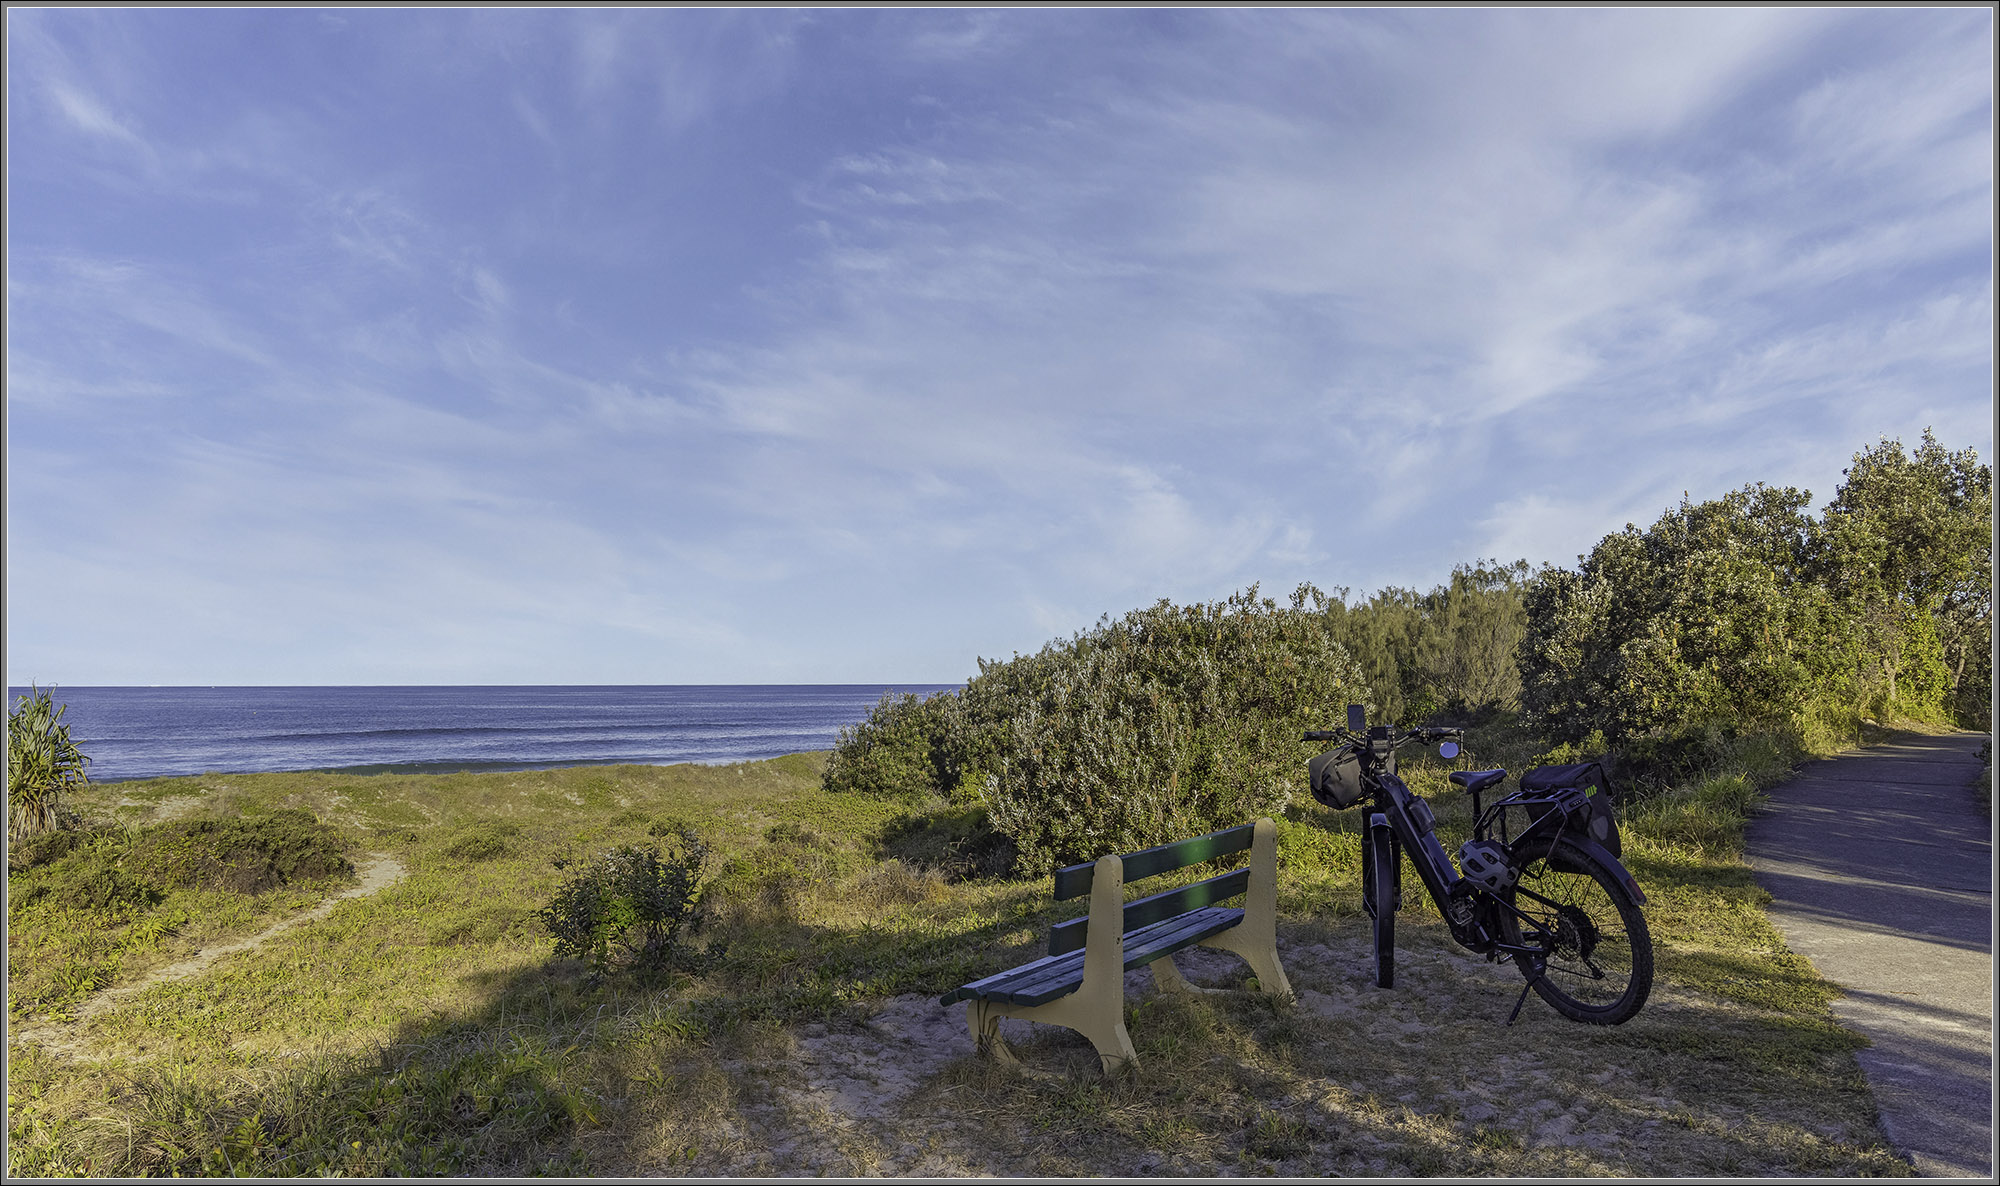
[1080,984]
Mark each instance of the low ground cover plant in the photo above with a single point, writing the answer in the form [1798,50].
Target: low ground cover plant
[102,901]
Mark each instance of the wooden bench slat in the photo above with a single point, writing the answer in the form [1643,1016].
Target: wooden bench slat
[1054,976]
[1141,948]
[1075,879]
[1071,935]
[980,988]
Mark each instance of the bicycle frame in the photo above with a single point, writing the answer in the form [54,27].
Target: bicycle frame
[1401,824]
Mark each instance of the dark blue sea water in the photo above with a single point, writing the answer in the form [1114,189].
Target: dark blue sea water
[153,732]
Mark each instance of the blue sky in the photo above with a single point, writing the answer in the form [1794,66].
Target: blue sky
[381,346]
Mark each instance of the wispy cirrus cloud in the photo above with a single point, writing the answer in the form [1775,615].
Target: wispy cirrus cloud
[849,345]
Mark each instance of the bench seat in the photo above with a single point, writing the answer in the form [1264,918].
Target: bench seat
[1053,976]
[1081,982]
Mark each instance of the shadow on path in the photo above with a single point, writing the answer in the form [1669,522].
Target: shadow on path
[1880,867]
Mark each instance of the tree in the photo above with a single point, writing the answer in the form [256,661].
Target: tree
[1909,548]
[1711,614]
[1448,651]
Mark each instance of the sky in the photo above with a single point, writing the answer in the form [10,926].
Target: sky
[376,346]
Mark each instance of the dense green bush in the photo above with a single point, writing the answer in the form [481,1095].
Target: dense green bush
[1708,615]
[43,765]
[1745,612]
[1446,653]
[246,855]
[628,908]
[907,748]
[78,869]
[1171,721]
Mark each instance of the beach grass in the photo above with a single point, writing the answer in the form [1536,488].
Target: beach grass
[422,1028]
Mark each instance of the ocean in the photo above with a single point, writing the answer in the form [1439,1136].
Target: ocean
[156,732]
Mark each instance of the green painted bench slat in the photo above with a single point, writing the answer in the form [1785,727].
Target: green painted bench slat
[1070,936]
[1075,880]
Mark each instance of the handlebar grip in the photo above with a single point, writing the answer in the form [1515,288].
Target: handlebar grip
[1319,735]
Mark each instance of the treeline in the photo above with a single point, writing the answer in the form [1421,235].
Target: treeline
[1746,610]
[1735,615]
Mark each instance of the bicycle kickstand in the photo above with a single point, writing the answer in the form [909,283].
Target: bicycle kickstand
[1523,998]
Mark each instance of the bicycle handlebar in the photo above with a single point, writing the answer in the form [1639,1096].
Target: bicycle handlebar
[1420,733]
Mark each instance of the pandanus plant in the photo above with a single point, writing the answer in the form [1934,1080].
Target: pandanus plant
[43,764]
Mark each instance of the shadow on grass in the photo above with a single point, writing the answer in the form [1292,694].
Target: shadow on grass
[544,1073]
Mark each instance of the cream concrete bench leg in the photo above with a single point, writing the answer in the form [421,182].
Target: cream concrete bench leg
[1255,939]
[1097,1008]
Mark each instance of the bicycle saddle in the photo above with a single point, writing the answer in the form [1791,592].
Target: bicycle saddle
[1476,780]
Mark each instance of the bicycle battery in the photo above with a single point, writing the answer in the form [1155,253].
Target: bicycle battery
[1597,821]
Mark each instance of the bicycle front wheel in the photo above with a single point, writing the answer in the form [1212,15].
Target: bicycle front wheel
[1598,954]
[1387,894]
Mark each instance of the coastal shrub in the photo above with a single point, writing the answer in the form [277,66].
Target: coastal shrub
[1908,548]
[244,855]
[43,765]
[903,750]
[629,907]
[78,870]
[45,848]
[1748,612]
[1448,653]
[1168,722]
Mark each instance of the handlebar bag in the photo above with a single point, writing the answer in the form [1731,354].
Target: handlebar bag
[1336,778]
[1588,777]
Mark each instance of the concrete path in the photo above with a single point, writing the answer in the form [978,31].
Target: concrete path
[1880,865]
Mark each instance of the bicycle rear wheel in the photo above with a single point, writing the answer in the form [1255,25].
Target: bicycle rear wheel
[1598,965]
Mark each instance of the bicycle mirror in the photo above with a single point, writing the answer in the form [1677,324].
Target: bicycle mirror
[1357,718]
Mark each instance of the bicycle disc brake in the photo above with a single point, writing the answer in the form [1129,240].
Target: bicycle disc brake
[1576,933]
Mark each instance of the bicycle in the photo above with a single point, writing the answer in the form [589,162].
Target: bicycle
[1554,899]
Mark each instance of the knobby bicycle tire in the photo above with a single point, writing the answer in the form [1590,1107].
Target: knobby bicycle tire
[1383,890]
[1600,968]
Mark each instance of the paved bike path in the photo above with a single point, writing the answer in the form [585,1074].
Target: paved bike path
[1880,866]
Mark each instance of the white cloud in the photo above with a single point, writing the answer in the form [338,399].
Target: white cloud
[794,340]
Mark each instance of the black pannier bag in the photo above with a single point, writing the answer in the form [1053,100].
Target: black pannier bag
[1599,824]
[1336,778]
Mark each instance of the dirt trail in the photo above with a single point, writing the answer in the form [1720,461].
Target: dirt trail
[377,872]
[860,1099]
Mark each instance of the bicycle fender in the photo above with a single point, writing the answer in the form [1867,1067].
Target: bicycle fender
[1592,848]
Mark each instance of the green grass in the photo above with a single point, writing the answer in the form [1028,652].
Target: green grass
[423,1029]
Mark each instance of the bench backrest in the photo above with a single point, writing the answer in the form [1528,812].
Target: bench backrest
[1076,880]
